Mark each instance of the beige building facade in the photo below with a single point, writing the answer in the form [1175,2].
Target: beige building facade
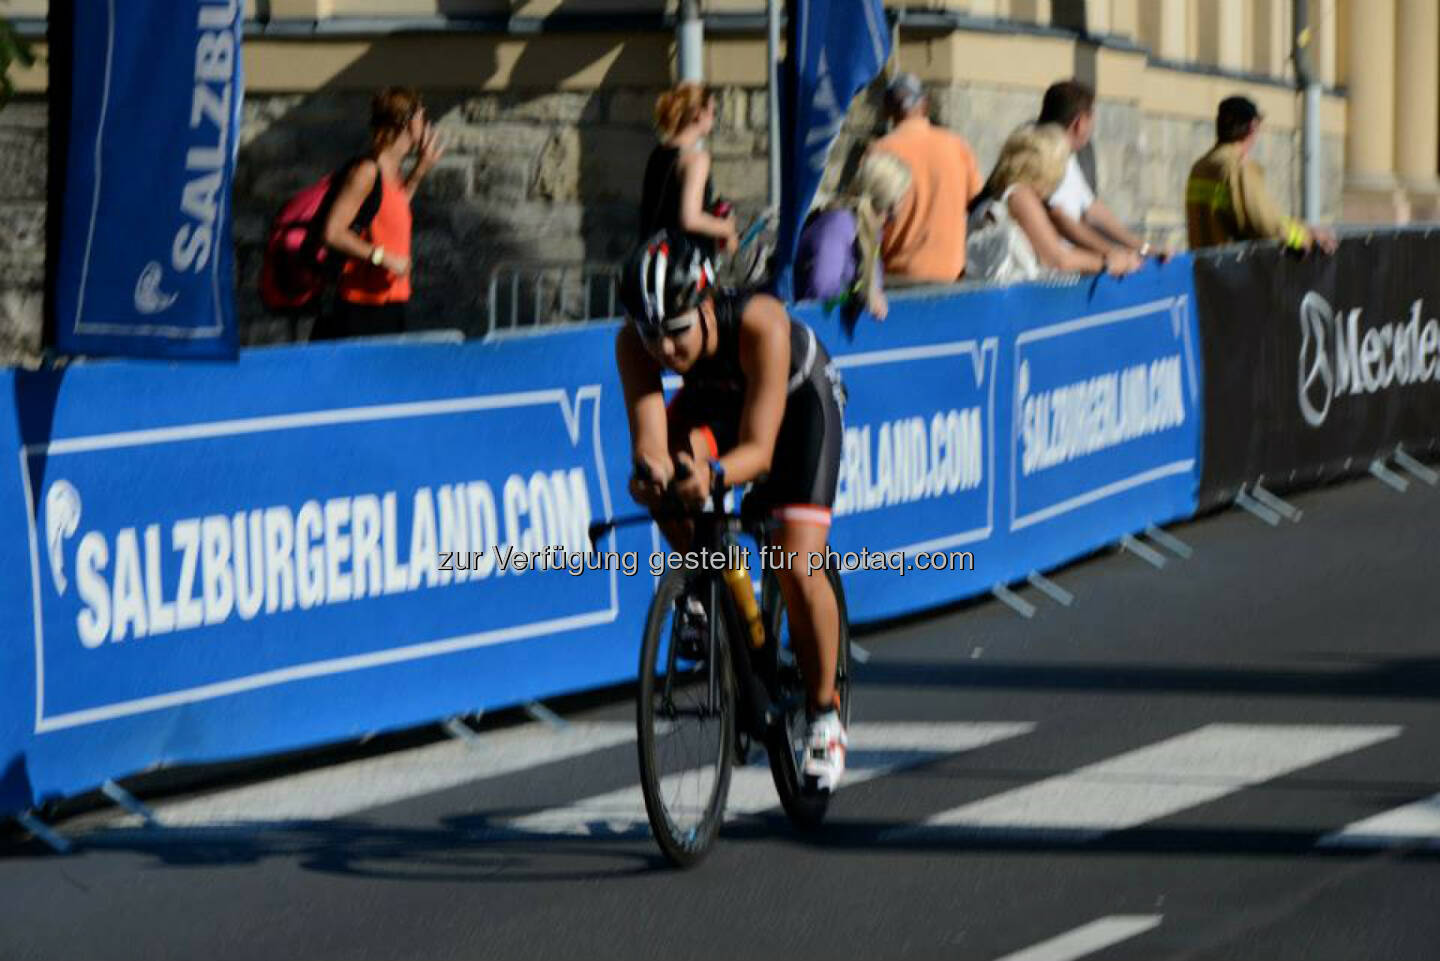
[546,104]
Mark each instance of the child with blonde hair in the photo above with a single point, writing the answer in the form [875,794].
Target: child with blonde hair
[839,249]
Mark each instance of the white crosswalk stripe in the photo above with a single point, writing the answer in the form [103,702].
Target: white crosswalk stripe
[345,789]
[1087,939]
[1410,825]
[1121,792]
[877,749]
[1152,782]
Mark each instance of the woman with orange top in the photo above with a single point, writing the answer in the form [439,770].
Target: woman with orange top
[374,283]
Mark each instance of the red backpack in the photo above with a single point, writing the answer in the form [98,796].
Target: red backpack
[298,264]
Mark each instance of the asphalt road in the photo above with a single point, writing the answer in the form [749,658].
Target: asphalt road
[1232,757]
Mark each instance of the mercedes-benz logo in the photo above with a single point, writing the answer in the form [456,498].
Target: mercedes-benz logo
[1317,376]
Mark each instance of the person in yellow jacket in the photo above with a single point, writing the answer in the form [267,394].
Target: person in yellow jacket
[1225,196]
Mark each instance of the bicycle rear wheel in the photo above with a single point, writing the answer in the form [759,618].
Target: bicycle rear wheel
[686,725]
[785,742]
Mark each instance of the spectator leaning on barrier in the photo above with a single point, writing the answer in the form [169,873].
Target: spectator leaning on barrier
[1011,235]
[838,255]
[1225,197]
[374,286]
[677,193]
[925,241]
[1080,216]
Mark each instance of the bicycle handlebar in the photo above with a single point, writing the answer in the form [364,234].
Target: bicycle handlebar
[599,529]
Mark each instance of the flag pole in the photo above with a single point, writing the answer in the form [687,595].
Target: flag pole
[690,41]
[772,49]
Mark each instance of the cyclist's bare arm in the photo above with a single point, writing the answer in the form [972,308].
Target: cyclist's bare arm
[645,406]
[765,357]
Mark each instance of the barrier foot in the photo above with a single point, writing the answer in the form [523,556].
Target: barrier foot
[461,731]
[1282,507]
[1013,601]
[1050,589]
[861,655]
[43,833]
[1416,469]
[1143,551]
[130,803]
[546,716]
[1170,542]
[1247,503]
[1388,477]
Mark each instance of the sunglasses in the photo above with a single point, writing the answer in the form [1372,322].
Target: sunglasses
[670,327]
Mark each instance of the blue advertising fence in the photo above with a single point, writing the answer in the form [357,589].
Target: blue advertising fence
[224,560]
[1026,425]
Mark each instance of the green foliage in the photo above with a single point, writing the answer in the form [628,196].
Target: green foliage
[14,50]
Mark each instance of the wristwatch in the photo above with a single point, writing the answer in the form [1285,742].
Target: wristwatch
[717,471]
[377,255]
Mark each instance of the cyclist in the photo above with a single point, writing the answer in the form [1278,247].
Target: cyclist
[761,402]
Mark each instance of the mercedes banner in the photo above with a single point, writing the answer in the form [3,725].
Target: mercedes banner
[1314,366]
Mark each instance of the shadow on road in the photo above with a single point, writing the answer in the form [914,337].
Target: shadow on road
[484,848]
[464,849]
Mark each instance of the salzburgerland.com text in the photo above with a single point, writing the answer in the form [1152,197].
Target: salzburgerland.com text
[508,559]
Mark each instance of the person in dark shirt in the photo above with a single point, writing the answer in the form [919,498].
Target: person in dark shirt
[677,191]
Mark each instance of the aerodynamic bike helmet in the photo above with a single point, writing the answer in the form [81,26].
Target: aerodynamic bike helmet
[664,278]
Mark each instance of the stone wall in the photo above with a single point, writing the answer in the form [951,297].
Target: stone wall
[22,228]
[538,178]
[554,177]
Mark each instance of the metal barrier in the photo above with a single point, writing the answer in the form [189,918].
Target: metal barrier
[549,293]
[555,293]
[541,293]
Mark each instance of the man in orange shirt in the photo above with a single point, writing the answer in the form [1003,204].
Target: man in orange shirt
[925,240]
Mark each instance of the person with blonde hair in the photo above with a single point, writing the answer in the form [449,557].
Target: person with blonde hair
[839,250]
[1011,235]
[677,192]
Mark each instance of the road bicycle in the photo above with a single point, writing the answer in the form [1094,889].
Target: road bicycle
[713,682]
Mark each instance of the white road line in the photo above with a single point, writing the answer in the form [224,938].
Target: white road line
[1088,938]
[876,749]
[349,788]
[1153,782]
[1416,824]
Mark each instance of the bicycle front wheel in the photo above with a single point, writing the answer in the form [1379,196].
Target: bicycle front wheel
[685,719]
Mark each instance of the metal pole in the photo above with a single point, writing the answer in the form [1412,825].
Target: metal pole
[1309,80]
[690,41]
[772,49]
[1311,150]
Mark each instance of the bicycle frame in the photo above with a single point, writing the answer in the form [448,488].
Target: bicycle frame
[755,687]
[716,530]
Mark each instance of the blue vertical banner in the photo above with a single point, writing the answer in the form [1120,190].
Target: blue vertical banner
[834,48]
[145,263]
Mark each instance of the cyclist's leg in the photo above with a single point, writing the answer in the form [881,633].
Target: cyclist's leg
[809,600]
[803,478]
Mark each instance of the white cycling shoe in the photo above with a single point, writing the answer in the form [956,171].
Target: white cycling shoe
[825,743]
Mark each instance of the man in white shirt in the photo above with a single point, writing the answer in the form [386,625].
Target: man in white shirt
[1077,213]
